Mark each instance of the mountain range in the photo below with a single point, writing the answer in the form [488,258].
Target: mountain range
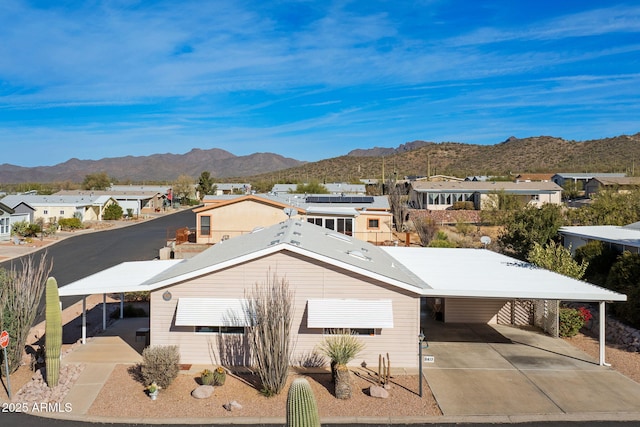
[514,155]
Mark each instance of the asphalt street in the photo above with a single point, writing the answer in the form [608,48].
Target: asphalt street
[80,256]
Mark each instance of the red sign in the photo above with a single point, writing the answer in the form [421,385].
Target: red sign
[4,339]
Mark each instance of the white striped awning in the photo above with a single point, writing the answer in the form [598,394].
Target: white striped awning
[211,312]
[349,313]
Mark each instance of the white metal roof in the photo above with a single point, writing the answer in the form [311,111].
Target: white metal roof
[330,210]
[628,235]
[125,277]
[482,273]
[349,313]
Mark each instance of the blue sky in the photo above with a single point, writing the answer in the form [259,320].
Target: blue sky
[309,79]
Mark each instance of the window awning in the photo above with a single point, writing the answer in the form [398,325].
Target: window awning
[349,313]
[211,312]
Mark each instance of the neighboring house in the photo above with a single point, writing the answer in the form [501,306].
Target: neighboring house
[563,177]
[232,188]
[22,211]
[621,185]
[534,177]
[477,178]
[52,207]
[365,217]
[5,221]
[332,188]
[139,201]
[443,195]
[625,238]
[338,282]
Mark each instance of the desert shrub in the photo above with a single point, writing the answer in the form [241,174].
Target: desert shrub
[25,229]
[341,347]
[571,320]
[137,296]
[70,223]
[624,277]
[160,364]
[112,212]
[469,206]
[600,258]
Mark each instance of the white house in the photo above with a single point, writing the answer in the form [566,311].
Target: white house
[52,207]
[5,221]
[620,238]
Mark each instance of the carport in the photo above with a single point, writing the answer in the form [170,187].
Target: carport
[121,278]
[483,275]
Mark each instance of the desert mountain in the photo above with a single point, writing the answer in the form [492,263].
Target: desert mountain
[157,167]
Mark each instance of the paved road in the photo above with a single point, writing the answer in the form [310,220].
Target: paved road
[80,256]
[23,420]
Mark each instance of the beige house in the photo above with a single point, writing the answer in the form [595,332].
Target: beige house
[482,194]
[339,282]
[618,184]
[139,201]
[364,217]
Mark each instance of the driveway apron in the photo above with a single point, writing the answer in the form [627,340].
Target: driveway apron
[503,370]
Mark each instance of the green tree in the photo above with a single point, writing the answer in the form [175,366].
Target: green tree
[183,188]
[205,185]
[529,225]
[571,190]
[112,212]
[557,258]
[600,258]
[313,187]
[96,181]
[609,208]
[499,206]
[624,277]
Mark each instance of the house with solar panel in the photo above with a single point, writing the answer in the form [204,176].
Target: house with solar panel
[367,218]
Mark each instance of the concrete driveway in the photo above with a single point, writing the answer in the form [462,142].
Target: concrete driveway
[502,370]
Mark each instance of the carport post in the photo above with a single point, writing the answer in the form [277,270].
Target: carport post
[104,312]
[602,338]
[84,319]
[122,305]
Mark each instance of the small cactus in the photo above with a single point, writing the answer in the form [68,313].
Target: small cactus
[206,377]
[219,376]
[302,410]
[53,332]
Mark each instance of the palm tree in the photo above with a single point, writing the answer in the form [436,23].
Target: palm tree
[341,347]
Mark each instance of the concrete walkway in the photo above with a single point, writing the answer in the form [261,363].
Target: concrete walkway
[484,370]
[116,345]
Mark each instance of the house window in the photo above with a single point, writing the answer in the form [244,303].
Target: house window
[205,225]
[46,212]
[220,330]
[61,212]
[352,331]
[373,223]
[535,197]
[345,226]
[330,223]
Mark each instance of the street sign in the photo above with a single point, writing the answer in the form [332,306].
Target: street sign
[4,339]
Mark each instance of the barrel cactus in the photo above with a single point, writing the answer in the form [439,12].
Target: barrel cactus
[219,376]
[206,377]
[53,332]
[302,410]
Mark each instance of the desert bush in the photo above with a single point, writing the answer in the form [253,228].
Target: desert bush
[70,223]
[341,347]
[160,364]
[112,212]
[25,229]
[572,320]
[468,206]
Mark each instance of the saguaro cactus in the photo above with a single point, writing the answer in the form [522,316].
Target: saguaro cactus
[53,332]
[302,410]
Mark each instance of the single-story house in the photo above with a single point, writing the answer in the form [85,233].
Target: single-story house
[562,177]
[139,201]
[625,238]
[444,195]
[621,185]
[332,188]
[5,221]
[52,207]
[339,282]
[232,188]
[365,217]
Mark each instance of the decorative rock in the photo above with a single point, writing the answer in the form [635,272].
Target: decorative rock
[379,392]
[202,392]
[232,405]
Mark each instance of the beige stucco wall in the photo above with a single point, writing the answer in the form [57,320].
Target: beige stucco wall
[308,279]
[238,218]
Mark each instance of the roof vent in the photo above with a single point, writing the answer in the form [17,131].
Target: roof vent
[295,242]
[274,242]
[358,254]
